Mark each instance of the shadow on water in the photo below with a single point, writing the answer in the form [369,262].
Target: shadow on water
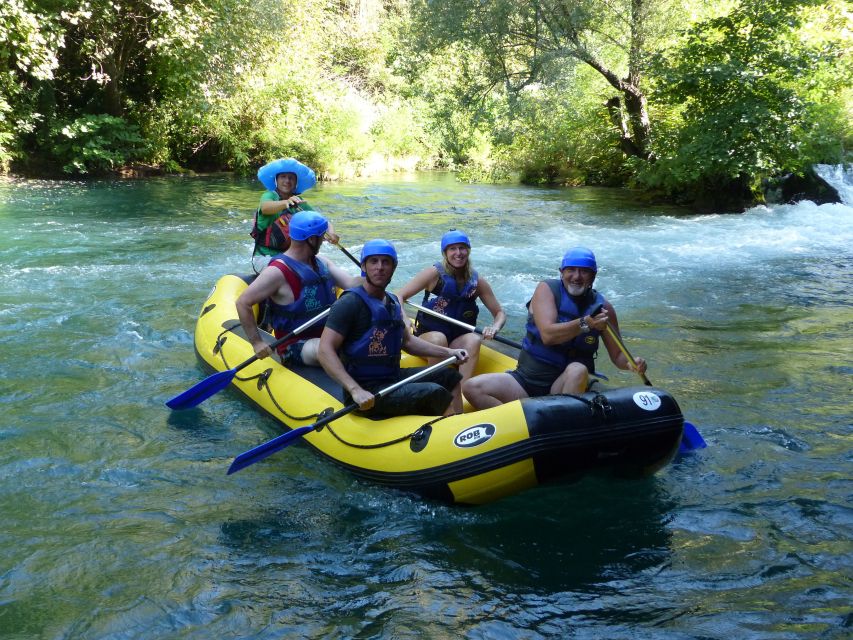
[566,537]
[554,538]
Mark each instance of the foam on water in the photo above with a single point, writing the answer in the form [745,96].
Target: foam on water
[840,177]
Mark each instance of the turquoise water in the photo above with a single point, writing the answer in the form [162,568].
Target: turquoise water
[119,521]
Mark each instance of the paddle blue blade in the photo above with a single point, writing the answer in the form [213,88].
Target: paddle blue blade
[218,381]
[197,394]
[268,448]
[692,439]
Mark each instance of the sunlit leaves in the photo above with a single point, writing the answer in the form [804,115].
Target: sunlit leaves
[741,84]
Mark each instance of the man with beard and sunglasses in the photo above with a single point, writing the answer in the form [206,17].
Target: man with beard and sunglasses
[363,340]
[566,319]
[295,286]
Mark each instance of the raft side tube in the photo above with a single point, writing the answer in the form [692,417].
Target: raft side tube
[632,430]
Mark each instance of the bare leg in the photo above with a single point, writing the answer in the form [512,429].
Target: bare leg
[492,389]
[574,379]
[471,343]
[435,337]
[455,405]
[309,352]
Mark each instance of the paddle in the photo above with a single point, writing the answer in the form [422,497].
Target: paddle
[692,439]
[218,381]
[459,323]
[511,343]
[270,447]
[348,254]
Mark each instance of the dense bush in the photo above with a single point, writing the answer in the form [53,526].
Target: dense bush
[96,144]
[743,86]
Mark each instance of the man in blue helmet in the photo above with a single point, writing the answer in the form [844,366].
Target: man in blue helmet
[566,320]
[285,180]
[363,340]
[296,285]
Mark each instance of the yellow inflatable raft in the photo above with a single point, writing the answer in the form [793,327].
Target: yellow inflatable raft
[472,458]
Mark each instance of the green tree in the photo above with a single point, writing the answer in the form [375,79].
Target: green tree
[29,43]
[525,43]
[740,84]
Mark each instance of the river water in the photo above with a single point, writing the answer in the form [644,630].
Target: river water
[118,520]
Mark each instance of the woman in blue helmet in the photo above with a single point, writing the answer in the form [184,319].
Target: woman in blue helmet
[451,287]
[285,179]
[295,286]
[566,321]
[363,341]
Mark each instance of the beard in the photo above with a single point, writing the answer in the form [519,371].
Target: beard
[576,290]
[315,245]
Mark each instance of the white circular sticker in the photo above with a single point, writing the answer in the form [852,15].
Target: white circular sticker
[647,400]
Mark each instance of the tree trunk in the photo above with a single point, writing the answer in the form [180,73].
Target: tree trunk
[112,96]
[629,114]
[634,134]
[626,143]
[638,116]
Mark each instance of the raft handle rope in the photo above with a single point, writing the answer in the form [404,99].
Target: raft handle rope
[599,403]
[262,379]
[414,435]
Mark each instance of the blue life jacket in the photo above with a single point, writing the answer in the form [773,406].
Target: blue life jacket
[317,295]
[376,354]
[450,302]
[582,348]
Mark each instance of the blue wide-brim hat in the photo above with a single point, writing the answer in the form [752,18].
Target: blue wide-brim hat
[305,178]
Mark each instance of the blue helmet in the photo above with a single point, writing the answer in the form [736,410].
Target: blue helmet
[454,237]
[579,257]
[305,224]
[305,178]
[378,247]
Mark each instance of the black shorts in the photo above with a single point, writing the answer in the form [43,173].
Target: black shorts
[428,396]
[532,390]
[536,390]
[292,356]
[450,332]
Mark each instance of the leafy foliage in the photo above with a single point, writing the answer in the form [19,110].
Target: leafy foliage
[28,44]
[96,144]
[679,97]
[738,82]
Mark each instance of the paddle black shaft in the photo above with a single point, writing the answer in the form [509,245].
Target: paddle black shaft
[348,254]
[459,323]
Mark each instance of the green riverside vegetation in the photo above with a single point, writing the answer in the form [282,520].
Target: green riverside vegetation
[689,100]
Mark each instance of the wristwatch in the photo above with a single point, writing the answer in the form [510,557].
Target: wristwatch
[584,326]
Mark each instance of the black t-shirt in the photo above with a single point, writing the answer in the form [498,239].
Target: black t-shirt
[350,317]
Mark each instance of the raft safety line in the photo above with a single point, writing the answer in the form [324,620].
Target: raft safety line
[262,378]
[414,434]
